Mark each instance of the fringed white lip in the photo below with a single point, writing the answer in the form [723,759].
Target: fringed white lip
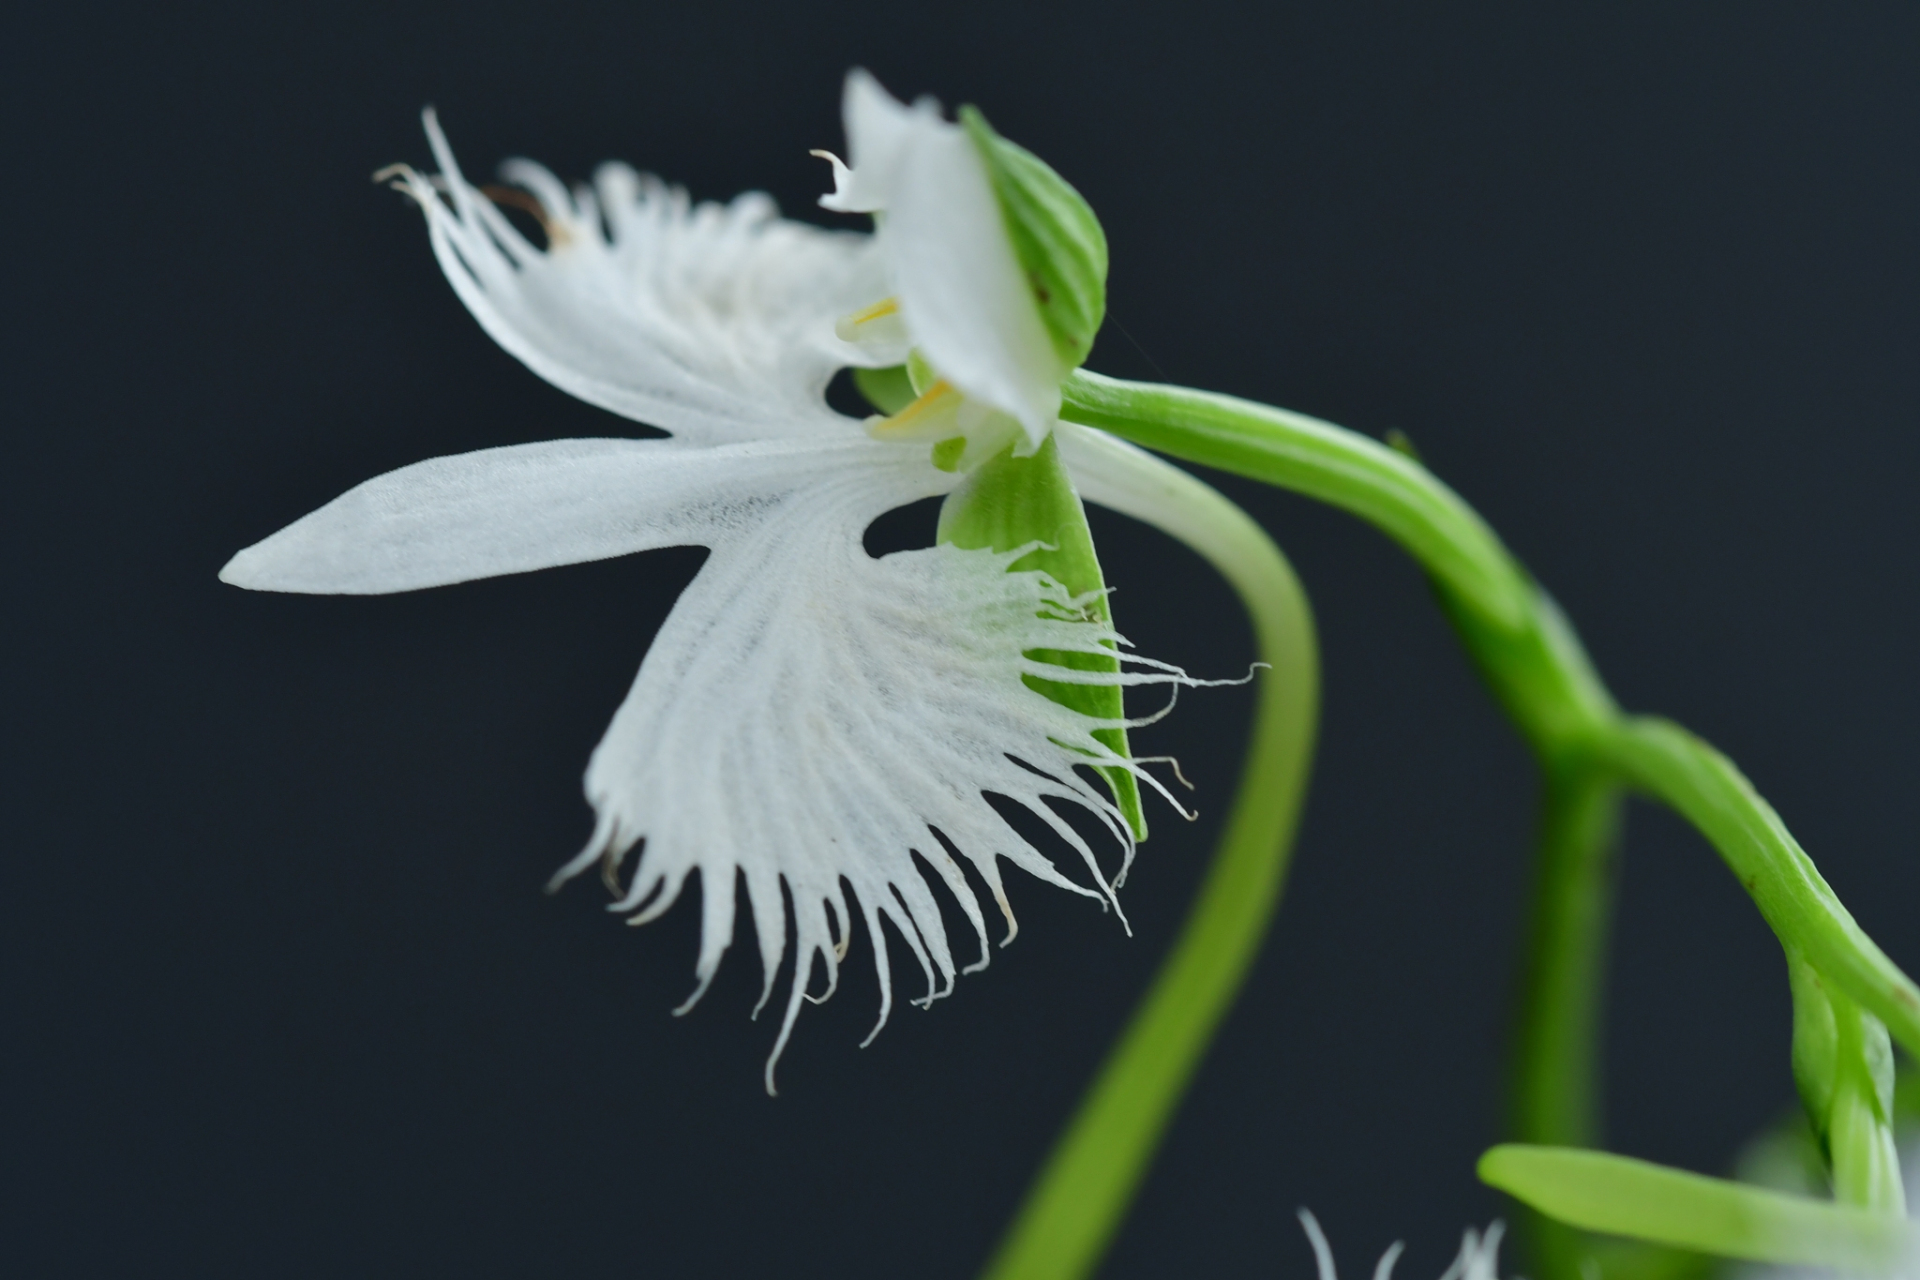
[813,718]
[809,718]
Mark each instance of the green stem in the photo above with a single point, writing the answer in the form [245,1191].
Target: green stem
[1672,765]
[1555,1069]
[1556,1084]
[1535,666]
[1860,1135]
[1336,466]
[1082,1192]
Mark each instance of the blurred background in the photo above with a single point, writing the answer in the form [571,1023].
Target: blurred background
[285,997]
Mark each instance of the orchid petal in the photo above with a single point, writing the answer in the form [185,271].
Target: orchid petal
[712,322]
[880,131]
[810,716]
[535,506]
[1478,1259]
[965,299]
[822,725]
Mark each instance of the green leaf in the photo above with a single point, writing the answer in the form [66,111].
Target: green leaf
[1008,502]
[1627,1197]
[1055,235]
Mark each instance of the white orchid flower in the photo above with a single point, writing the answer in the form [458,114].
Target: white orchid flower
[808,714]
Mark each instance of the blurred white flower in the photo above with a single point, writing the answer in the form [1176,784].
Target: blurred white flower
[1478,1259]
[1909,1175]
[809,715]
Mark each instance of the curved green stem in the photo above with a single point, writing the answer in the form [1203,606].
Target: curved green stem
[1535,666]
[1081,1193]
[1671,764]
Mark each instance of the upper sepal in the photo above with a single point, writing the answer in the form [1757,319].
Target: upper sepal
[1056,237]
[961,288]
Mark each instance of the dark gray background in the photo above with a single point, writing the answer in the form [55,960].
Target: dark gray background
[285,997]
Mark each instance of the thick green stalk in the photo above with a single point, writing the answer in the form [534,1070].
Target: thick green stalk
[1082,1192]
[1533,662]
[1330,463]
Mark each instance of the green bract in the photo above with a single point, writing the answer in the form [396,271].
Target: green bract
[1055,236]
[1009,502]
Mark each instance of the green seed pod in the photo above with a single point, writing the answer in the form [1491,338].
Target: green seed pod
[1059,242]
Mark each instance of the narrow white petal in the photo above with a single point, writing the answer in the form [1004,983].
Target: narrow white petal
[879,129]
[965,299]
[713,322]
[842,198]
[1322,1254]
[1480,1255]
[1478,1259]
[534,506]
[811,716]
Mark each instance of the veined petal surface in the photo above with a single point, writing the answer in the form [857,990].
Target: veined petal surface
[712,322]
[535,506]
[966,301]
[811,716]
[818,723]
